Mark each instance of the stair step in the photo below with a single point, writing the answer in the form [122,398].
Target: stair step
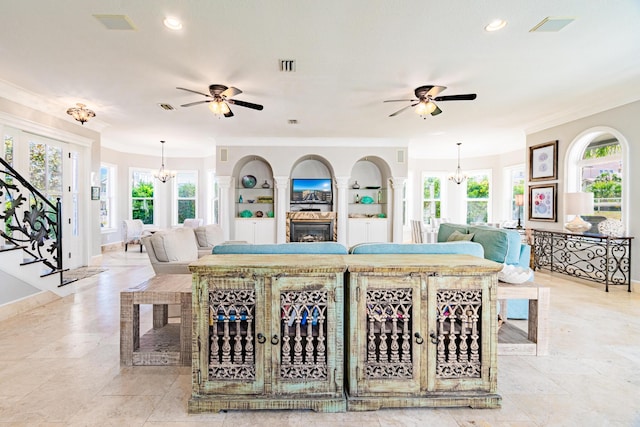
[66,282]
[27,261]
[51,272]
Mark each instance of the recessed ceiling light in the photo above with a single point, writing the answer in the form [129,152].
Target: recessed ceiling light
[172,23]
[495,25]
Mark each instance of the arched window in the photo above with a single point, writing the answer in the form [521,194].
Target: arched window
[596,162]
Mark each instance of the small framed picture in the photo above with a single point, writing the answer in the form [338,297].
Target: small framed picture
[543,162]
[95,193]
[543,202]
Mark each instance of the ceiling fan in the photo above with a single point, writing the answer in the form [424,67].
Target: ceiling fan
[220,99]
[426,95]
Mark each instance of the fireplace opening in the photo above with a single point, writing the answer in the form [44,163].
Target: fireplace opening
[311,231]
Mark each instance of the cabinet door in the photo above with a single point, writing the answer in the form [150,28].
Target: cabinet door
[245,230]
[232,342]
[462,349]
[378,231]
[265,231]
[306,338]
[385,333]
[357,231]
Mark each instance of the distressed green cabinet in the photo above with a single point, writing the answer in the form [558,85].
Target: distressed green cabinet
[268,333]
[422,331]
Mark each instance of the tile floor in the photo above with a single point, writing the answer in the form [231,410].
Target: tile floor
[59,366]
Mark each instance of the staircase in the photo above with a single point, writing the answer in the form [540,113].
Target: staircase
[31,232]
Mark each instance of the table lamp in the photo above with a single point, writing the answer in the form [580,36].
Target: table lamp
[519,203]
[578,204]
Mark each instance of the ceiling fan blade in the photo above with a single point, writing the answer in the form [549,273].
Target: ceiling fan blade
[196,103]
[435,90]
[194,91]
[467,97]
[245,104]
[231,92]
[400,100]
[436,111]
[402,109]
[229,114]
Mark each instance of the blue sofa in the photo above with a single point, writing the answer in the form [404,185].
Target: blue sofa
[500,245]
[466,248]
[330,248]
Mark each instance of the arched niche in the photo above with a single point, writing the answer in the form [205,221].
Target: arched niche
[255,166]
[312,166]
[370,171]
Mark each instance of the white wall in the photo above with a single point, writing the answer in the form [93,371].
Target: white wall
[164,192]
[623,120]
[454,209]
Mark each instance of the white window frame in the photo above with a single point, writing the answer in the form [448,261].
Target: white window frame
[443,189]
[508,201]
[471,174]
[108,196]
[177,197]
[150,173]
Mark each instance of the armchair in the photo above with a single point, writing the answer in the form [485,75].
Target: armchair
[132,231]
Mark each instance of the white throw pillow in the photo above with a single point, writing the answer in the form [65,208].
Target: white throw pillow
[514,274]
[209,235]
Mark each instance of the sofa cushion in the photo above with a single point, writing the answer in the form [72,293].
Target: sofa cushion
[464,248]
[499,245]
[282,248]
[175,245]
[446,229]
[209,235]
[458,236]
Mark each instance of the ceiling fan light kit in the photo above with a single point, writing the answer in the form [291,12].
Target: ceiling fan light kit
[426,98]
[221,96]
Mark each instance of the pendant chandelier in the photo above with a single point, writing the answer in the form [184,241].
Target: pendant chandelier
[80,113]
[163,175]
[458,177]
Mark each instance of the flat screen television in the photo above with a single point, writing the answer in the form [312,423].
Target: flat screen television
[311,190]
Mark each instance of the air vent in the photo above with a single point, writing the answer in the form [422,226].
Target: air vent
[551,25]
[292,122]
[166,107]
[116,22]
[287,65]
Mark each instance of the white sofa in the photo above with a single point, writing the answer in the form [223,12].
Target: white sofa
[171,251]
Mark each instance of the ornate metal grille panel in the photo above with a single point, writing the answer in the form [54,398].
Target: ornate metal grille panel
[231,331]
[459,315]
[389,331]
[303,351]
[30,219]
[601,259]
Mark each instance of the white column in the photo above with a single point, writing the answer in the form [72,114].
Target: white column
[225,208]
[282,205]
[342,188]
[397,184]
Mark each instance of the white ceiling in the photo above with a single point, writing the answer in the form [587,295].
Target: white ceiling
[350,56]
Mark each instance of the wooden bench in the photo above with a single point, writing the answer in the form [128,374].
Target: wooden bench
[166,343]
[513,340]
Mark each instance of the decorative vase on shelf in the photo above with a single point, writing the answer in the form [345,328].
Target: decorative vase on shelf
[355,186]
[266,184]
[240,199]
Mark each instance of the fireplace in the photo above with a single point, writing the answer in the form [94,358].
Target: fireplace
[311,227]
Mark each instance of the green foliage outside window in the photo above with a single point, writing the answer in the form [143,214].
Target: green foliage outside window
[142,202]
[477,188]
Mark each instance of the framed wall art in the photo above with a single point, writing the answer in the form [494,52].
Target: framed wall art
[543,162]
[543,202]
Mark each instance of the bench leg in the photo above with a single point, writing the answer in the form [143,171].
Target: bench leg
[160,315]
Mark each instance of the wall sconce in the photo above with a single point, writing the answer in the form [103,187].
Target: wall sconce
[80,113]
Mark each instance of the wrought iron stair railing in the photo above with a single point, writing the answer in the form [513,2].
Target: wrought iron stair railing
[31,222]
